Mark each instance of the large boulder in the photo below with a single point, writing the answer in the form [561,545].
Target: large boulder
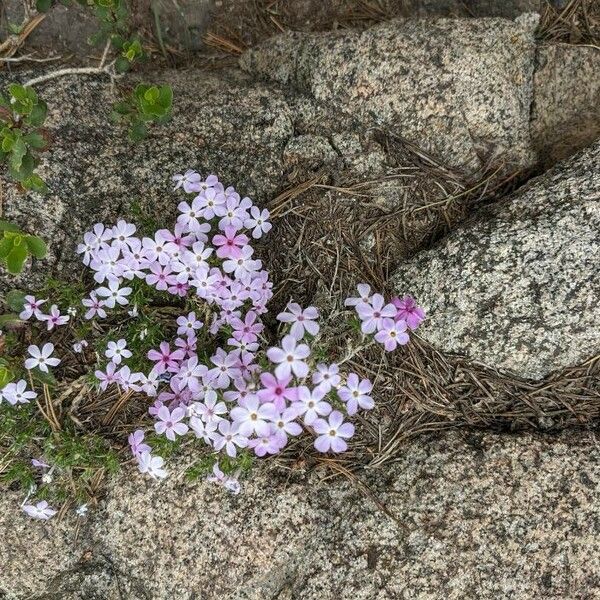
[459,88]
[458,515]
[517,287]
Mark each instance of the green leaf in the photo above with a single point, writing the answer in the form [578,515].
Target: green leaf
[44,378]
[122,65]
[6,246]
[36,183]
[16,258]
[138,131]
[28,164]
[15,299]
[18,152]
[37,246]
[35,140]
[38,114]
[43,5]
[6,375]
[6,226]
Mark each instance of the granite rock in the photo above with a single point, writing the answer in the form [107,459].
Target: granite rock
[477,515]
[459,88]
[566,108]
[517,287]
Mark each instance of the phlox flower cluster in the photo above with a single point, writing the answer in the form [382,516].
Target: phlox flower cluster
[244,394]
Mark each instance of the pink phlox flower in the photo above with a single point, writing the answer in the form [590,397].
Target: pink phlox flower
[54,318]
[333,433]
[136,443]
[165,358]
[160,276]
[311,404]
[277,391]
[407,310]
[31,307]
[230,243]
[372,315]
[392,334]
[170,423]
[289,358]
[248,329]
[190,373]
[302,320]
[211,410]
[95,307]
[356,394]
[108,376]
[244,264]
[187,344]
[241,392]
[267,444]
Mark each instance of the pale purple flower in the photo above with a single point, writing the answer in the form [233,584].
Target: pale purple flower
[170,422]
[107,264]
[95,307]
[243,264]
[289,358]
[151,465]
[203,431]
[114,293]
[31,307]
[277,391]
[258,222]
[161,276]
[41,358]
[108,376]
[225,368]
[190,372]
[311,404]
[248,329]
[392,334]
[364,295]
[208,201]
[136,443]
[211,409]
[16,393]
[253,417]
[122,233]
[234,212]
[302,320]
[54,318]
[116,351]
[284,424]
[356,394]
[79,346]
[190,181]
[407,310]
[187,344]
[266,444]
[333,433]
[39,464]
[229,437]
[372,315]
[326,376]
[41,510]
[188,325]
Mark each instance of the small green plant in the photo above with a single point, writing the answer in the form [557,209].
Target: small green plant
[146,104]
[22,114]
[16,246]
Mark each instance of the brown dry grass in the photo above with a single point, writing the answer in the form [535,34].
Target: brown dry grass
[577,23]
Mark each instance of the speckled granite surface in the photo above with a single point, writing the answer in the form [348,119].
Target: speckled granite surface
[517,287]
[475,515]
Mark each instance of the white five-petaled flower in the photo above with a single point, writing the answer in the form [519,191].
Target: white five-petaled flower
[116,351]
[54,318]
[374,313]
[16,393]
[114,294]
[302,320]
[290,358]
[31,307]
[151,465]
[41,510]
[364,295]
[41,358]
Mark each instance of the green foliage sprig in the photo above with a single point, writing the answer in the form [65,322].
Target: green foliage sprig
[22,114]
[16,246]
[146,104]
